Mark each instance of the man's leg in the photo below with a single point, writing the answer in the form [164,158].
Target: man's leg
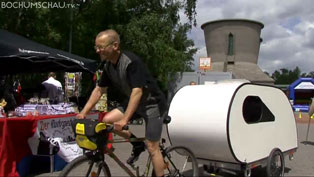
[115,116]
[153,134]
[157,159]
[138,147]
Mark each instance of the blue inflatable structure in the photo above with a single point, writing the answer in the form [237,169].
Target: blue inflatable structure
[300,93]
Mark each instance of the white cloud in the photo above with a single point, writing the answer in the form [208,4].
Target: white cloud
[274,31]
[288,33]
[309,38]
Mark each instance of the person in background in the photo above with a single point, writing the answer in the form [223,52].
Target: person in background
[6,85]
[192,83]
[125,72]
[53,89]
[2,86]
[18,93]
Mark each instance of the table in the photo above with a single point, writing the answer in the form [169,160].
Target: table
[15,138]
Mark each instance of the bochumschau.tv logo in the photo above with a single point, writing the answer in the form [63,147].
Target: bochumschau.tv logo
[28,5]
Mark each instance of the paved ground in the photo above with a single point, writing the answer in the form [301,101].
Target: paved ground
[302,165]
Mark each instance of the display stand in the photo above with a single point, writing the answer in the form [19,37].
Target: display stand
[16,151]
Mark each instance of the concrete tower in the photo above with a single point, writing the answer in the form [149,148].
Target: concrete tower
[233,45]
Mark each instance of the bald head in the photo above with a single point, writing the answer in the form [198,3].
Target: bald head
[111,35]
[107,45]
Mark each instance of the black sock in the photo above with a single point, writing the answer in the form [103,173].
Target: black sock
[135,143]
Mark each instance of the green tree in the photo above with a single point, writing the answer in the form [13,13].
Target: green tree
[151,29]
[310,74]
[285,76]
[267,73]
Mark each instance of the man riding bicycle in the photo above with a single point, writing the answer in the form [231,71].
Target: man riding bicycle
[127,73]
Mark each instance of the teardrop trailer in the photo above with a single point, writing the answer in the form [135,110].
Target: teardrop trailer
[234,125]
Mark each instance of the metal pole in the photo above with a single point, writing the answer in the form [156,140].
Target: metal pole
[70,51]
[199,73]
[71,22]
[308,128]
[310,113]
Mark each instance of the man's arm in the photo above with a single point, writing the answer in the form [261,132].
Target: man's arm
[93,99]
[134,101]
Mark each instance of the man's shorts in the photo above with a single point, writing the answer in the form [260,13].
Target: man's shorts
[153,120]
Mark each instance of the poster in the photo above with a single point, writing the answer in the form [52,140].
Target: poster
[205,63]
[58,132]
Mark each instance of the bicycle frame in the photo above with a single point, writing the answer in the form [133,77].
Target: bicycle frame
[112,155]
[95,147]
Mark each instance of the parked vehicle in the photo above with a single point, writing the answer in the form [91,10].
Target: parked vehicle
[234,125]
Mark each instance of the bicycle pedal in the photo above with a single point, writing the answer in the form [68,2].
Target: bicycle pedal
[132,160]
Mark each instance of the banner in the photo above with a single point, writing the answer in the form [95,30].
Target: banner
[205,63]
[56,136]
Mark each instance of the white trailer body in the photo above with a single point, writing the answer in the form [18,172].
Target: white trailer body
[232,121]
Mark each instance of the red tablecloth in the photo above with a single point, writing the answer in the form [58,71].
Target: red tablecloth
[13,140]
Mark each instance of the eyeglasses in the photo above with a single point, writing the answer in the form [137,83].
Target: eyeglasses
[102,47]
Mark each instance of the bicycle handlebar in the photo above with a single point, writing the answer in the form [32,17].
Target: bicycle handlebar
[126,127]
[110,127]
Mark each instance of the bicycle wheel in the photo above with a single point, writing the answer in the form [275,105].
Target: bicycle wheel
[83,166]
[180,161]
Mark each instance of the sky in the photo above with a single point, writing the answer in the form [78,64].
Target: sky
[288,33]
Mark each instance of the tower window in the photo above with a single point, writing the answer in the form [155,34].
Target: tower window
[230,44]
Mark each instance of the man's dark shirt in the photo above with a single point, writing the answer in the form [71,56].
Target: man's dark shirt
[128,73]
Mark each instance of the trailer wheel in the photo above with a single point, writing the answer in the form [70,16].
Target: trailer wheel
[275,164]
[210,169]
[245,173]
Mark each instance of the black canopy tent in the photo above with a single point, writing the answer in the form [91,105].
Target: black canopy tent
[21,55]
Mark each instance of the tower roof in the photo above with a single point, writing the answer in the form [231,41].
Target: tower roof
[232,20]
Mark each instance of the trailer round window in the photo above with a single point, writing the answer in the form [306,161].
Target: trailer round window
[252,109]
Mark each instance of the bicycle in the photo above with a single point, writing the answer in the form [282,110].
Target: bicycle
[94,159]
